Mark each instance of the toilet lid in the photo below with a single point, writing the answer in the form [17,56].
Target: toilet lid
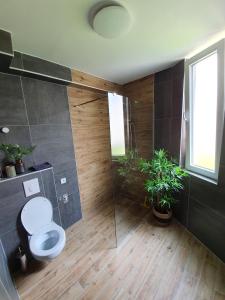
[36,213]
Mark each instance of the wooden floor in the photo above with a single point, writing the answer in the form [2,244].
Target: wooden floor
[149,262]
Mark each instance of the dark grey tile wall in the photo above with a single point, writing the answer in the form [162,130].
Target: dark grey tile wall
[12,105]
[168,108]
[201,206]
[53,144]
[37,113]
[46,102]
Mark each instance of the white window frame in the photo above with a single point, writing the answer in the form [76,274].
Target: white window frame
[219,48]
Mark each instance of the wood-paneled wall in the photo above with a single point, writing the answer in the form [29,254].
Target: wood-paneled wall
[91,81]
[91,134]
[141,98]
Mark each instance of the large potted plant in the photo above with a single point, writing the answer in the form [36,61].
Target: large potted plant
[164,180]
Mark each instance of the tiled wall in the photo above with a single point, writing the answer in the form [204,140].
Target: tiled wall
[202,204]
[168,108]
[37,113]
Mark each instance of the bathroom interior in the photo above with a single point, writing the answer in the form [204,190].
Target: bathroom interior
[112,150]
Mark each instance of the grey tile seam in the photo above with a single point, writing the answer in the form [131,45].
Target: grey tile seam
[56,196]
[24,99]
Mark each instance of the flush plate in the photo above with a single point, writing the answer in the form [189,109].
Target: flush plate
[31,187]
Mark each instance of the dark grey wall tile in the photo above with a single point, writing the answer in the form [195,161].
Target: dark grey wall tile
[37,65]
[175,135]
[163,98]
[164,75]
[177,97]
[181,207]
[49,186]
[208,226]
[56,216]
[13,199]
[54,143]
[18,135]
[5,276]
[162,133]
[11,241]
[46,103]
[208,194]
[70,212]
[68,171]
[221,177]
[222,156]
[12,107]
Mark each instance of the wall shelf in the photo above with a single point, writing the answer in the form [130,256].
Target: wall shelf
[4,179]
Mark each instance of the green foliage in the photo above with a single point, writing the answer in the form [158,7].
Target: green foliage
[14,152]
[165,178]
[128,165]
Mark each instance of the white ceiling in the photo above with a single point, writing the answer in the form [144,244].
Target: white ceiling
[163,32]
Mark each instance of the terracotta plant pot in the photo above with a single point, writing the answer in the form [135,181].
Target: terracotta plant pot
[162,218]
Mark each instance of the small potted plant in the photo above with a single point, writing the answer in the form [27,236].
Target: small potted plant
[20,152]
[8,150]
[164,179]
[14,154]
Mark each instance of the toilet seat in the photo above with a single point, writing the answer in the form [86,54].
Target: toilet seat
[46,238]
[47,242]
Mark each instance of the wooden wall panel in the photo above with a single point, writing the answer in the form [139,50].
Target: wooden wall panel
[91,133]
[91,81]
[141,97]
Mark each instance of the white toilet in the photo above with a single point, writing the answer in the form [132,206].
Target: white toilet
[46,238]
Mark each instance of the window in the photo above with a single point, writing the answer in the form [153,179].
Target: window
[116,117]
[205,110]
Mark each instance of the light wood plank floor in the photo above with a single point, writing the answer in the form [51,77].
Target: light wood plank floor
[150,262]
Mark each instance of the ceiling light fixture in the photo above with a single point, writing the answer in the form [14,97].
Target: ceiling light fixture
[111,21]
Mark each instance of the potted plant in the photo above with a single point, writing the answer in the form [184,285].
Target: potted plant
[20,152]
[14,154]
[164,179]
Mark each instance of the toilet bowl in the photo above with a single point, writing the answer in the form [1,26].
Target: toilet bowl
[46,238]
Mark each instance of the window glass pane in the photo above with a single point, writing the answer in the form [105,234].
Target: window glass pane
[116,124]
[204,113]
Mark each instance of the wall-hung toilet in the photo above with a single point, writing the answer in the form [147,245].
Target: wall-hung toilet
[46,238]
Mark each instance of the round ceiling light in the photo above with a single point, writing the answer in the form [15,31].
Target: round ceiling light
[112,21]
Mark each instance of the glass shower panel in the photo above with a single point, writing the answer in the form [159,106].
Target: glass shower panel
[128,212]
